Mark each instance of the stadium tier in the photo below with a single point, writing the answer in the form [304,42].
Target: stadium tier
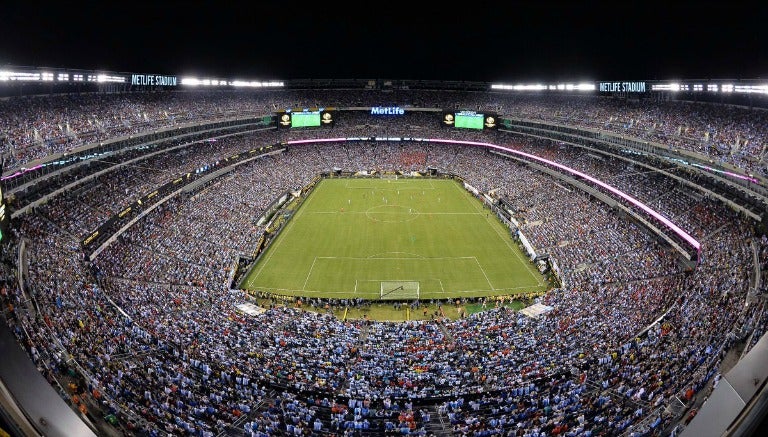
[185,262]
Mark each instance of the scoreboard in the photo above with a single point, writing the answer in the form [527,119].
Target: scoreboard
[306,117]
[470,120]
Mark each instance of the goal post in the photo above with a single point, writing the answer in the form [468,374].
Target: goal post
[399,290]
[388,175]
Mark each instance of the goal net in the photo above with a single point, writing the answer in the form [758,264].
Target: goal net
[386,175]
[399,290]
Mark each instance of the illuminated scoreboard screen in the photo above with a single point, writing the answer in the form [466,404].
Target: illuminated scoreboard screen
[469,120]
[302,118]
[305,119]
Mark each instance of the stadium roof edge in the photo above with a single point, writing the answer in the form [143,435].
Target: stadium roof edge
[10,74]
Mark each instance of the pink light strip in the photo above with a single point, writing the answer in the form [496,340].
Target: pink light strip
[319,140]
[692,241]
[20,172]
[736,175]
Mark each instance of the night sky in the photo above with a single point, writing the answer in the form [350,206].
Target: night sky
[458,40]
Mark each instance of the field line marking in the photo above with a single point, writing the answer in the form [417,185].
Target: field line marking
[368,258]
[389,189]
[483,270]
[404,253]
[442,289]
[281,238]
[505,238]
[479,290]
[304,287]
[495,290]
[395,212]
[400,280]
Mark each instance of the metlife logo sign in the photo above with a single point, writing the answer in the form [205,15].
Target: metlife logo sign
[387,110]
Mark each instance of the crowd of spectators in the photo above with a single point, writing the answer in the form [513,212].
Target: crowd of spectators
[154,327]
[35,127]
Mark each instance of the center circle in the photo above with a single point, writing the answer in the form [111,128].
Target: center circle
[392,213]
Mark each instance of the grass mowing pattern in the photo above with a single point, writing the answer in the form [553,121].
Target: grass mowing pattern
[350,235]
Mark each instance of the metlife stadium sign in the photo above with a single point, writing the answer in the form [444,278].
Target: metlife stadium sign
[153,80]
[622,87]
[387,110]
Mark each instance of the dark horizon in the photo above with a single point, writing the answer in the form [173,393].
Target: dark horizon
[542,41]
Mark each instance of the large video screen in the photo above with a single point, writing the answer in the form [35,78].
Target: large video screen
[469,120]
[300,118]
[305,119]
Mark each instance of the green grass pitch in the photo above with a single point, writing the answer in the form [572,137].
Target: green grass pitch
[351,237]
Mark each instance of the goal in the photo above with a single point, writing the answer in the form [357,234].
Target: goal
[399,290]
[388,175]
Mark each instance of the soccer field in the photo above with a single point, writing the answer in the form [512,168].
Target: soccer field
[393,239]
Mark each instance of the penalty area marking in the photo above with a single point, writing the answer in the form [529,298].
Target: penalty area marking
[483,270]
[371,258]
[403,213]
[309,273]
[378,255]
[526,263]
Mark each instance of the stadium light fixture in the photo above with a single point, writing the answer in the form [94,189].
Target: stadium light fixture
[19,76]
[519,87]
[751,89]
[190,81]
[529,87]
[585,86]
[256,84]
[108,78]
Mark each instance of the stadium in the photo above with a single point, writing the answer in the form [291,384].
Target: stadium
[218,255]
